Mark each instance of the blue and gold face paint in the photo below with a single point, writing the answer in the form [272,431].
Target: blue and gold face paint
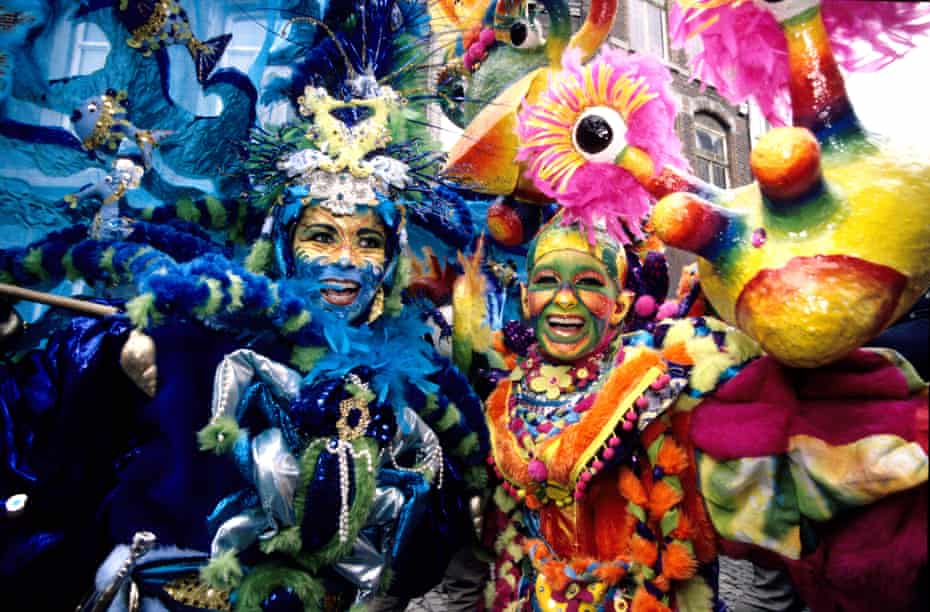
[343,257]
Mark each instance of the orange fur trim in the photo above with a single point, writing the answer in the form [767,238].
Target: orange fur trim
[643,601]
[509,459]
[631,488]
[610,574]
[678,353]
[677,562]
[644,551]
[661,583]
[611,524]
[685,529]
[592,429]
[555,575]
[662,497]
[672,458]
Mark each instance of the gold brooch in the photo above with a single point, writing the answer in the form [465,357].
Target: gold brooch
[355,409]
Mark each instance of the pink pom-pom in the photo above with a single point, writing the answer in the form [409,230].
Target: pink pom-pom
[645,306]
[538,470]
[642,403]
[608,453]
[478,49]
[486,37]
[667,310]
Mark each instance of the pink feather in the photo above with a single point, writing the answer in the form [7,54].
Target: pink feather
[743,53]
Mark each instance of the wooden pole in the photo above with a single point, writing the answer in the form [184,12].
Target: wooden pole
[90,308]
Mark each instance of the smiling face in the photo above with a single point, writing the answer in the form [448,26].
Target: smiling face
[572,302]
[343,256]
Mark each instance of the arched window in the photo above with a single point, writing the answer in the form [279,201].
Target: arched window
[712,160]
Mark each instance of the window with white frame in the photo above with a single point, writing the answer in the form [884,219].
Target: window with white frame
[90,49]
[648,27]
[712,162]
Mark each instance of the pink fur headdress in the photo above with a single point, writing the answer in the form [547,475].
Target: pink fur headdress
[630,95]
[743,52]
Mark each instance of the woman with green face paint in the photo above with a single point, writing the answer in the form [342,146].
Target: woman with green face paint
[574,299]
[584,410]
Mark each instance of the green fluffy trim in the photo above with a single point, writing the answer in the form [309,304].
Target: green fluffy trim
[267,577]
[296,322]
[365,482]
[222,572]
[304,358]
[187,210]
[106,263]
[467,446]
[286,541]
[67,262]
[142,312]
[219,436]
[214,301]
[451,417]
[393,302]
[32,262]
[259,257]
[218,217]
[236,289]
[476,477]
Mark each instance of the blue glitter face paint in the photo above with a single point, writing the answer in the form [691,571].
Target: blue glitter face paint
[341,289]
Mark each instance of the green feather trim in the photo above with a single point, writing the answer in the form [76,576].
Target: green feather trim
[219,436]
[67,262]
[476,477]
[32,262]
[259,257]
[365,482]
[393,303]
[142,312]
[222,572]
[215,299]
[236,288]
[187,210]
[296,322]
[265,578]
[147,213]
[106,264]
[286,541]
[451,417]
[467,446]
[430,405]
[304,358]
[218,217]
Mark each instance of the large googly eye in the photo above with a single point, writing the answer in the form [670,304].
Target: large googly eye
[599,134]
[525,35]
[92,107]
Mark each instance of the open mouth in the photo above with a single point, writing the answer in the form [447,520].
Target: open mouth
[565,326]
[340,292]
